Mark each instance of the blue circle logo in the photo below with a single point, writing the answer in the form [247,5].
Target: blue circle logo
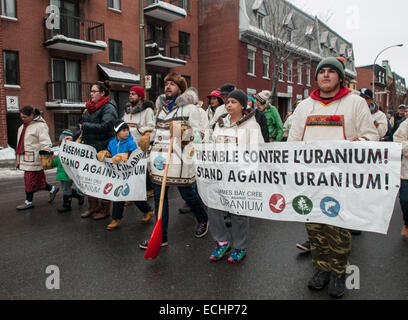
[126,190]
[159,163]
[330,207]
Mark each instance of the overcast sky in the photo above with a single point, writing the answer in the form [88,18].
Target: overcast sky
[370,25]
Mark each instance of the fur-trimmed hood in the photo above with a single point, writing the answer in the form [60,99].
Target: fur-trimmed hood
[248,114]
[132,109]
[188,97]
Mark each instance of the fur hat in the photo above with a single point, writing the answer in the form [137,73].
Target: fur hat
[227,88]
[263,96]
[178,79]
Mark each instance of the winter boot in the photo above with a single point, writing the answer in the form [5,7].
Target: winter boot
[76,195]
[105,211]
[66,205]
[93,207]
[147,216]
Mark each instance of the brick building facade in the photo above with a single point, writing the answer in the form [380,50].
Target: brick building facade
[52,68]
[235,46]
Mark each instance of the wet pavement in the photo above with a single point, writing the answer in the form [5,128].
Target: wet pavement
[94,263]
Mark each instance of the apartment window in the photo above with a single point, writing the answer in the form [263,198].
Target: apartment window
[115,51]
[289,36]
[251,62]
[114,4]
[185,4]
[260,21]
[290,72]
[66,77]
[308,71]
[299,70]
[265,62]
[8,8]
[11,68]
[280,72]
[184,43]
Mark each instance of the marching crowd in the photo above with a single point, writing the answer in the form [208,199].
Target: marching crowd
[332,112]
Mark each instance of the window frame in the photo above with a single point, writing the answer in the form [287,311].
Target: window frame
[265,76]
[111,5]
[251,61]
[183,36]
[308,75]
[15,68]
[299,73]
[4,14]
[185,4]
[114,42]
[290,72]
[281,73]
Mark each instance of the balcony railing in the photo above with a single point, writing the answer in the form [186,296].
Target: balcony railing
[168,11]
[75,31]
[68,91]
[166,48]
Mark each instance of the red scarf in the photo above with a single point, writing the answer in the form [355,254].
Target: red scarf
[92,107]
[315,95]
[20,146]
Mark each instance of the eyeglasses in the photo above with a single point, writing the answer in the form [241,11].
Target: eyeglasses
[133,93]
[95,91]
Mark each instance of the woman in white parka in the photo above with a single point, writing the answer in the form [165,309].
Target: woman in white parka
[238,126]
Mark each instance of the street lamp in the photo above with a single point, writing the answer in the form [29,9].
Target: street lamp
[373,84]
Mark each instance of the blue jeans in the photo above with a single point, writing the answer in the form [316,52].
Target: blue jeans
[189,195]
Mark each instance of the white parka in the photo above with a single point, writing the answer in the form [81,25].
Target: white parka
[36,139]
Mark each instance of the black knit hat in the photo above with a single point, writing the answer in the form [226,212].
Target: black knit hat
[227,88]
[240,96]
[120,125]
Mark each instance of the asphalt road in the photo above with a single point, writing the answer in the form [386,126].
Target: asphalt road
[94,263]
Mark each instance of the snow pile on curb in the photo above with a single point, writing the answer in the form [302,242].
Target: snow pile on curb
[7,154]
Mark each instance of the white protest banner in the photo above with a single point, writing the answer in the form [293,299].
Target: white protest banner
[351,185]
[105,180]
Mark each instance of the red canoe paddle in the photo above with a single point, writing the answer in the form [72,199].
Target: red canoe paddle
[155,241]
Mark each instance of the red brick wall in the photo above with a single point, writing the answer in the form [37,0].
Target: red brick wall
[218,46]
[364,80]
[3,107]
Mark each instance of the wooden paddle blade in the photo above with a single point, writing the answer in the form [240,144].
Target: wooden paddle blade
[155,241]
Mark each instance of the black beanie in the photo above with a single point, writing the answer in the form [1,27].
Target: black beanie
[240,96]
[120,125]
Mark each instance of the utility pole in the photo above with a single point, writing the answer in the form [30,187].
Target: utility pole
[142,46]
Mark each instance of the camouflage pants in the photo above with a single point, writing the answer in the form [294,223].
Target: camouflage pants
[330,247]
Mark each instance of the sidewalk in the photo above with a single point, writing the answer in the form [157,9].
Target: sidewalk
[8,163]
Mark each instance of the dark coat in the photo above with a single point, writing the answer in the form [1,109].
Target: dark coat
[263,123]
[97,128]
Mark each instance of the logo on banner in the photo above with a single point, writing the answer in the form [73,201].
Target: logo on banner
[330,207]
[126,190]
[302,205]
[159,163]
[108,188]
[277,203]
[118,191]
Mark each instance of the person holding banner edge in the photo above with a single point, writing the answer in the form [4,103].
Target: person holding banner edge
[119,149]
[96,130]
[401,136]
[239,126]
[175,107]
[331,112]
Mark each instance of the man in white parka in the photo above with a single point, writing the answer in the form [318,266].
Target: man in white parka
[175,108]
[331,112]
